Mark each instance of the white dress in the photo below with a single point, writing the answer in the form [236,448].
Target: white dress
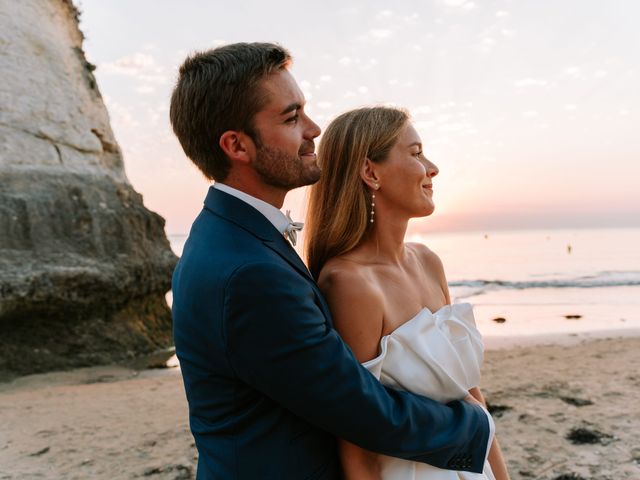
[437,355]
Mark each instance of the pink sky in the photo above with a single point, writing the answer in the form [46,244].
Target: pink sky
[530,109]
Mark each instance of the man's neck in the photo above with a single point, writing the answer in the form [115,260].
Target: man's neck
[257,189]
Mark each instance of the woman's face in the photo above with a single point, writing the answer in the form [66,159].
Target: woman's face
[406,177]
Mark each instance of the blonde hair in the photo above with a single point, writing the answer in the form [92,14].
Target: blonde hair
[339,204]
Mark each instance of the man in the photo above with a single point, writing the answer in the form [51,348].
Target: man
[268,380]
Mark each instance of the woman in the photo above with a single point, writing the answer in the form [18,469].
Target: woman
[389,299]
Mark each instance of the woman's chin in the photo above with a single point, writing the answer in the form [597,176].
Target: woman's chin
[429,208]
[425,211]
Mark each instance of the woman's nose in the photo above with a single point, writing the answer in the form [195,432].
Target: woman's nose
[432,169]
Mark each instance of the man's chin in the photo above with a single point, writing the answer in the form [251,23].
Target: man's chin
[312,176]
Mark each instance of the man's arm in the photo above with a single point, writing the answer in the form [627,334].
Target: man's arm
[279,342]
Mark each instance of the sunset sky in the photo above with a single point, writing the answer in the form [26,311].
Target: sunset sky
[531,109]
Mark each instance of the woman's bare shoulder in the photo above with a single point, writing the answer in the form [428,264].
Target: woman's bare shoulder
[427,257]
[345,275]
[356,303]
[432,266]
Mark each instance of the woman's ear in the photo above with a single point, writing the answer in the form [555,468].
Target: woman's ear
[369,175]
[237,146]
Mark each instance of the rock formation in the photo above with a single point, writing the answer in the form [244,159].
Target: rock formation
[84,266]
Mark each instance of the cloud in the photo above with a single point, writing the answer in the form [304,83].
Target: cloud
[485,45]
[145,89]
[368,64]
[131,63]
[573,71]
[421,110]
[412,19]
[139,65]
[348,11]
[306,86]
[121,116]
[380,33]
[461,4]
[530,82]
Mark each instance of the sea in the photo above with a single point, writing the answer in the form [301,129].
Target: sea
[540,286]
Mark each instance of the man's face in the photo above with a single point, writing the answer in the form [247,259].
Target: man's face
[285,152]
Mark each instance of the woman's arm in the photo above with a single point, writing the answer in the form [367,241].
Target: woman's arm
[357,312]
[496,459]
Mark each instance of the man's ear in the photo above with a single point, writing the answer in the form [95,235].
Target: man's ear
[369,175]
[237,146]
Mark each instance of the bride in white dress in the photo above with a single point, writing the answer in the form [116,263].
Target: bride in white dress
[389,299]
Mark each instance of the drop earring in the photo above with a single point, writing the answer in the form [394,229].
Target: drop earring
[373,206]
[373,203]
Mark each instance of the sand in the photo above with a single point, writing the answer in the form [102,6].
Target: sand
[117,423]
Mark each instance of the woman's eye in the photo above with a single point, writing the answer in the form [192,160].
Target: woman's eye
[418,154]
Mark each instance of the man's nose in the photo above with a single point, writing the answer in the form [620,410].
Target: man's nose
[312,130]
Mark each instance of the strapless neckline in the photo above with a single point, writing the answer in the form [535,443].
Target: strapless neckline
[443,328]
[448,308]
[437,355]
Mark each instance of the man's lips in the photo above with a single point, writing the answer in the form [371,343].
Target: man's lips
[307,149]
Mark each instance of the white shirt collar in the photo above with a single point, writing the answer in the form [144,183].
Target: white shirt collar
[278,219]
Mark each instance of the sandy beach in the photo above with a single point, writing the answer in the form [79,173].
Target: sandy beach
[562,412]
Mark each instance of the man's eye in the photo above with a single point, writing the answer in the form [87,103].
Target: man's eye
[293,119]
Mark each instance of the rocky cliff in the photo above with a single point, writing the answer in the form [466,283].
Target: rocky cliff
[84,266]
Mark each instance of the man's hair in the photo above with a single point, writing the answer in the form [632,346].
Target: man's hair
[218,90]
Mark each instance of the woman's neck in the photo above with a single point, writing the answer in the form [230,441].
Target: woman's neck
[385,241]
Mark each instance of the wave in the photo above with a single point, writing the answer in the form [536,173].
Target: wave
[599,280]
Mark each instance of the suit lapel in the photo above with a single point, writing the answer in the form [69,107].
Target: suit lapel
[250,219]
[283,248]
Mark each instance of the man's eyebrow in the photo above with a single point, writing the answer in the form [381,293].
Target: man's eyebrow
[290,108]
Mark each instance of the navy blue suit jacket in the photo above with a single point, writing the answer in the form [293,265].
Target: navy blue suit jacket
[268,380]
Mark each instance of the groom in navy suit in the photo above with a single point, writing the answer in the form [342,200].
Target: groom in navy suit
[269,382]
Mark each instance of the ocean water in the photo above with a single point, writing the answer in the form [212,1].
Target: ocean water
[545,283]
[534,284]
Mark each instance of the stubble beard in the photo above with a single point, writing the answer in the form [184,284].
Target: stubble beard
[280,169]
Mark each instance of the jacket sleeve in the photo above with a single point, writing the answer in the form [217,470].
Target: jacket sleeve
[279,342]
